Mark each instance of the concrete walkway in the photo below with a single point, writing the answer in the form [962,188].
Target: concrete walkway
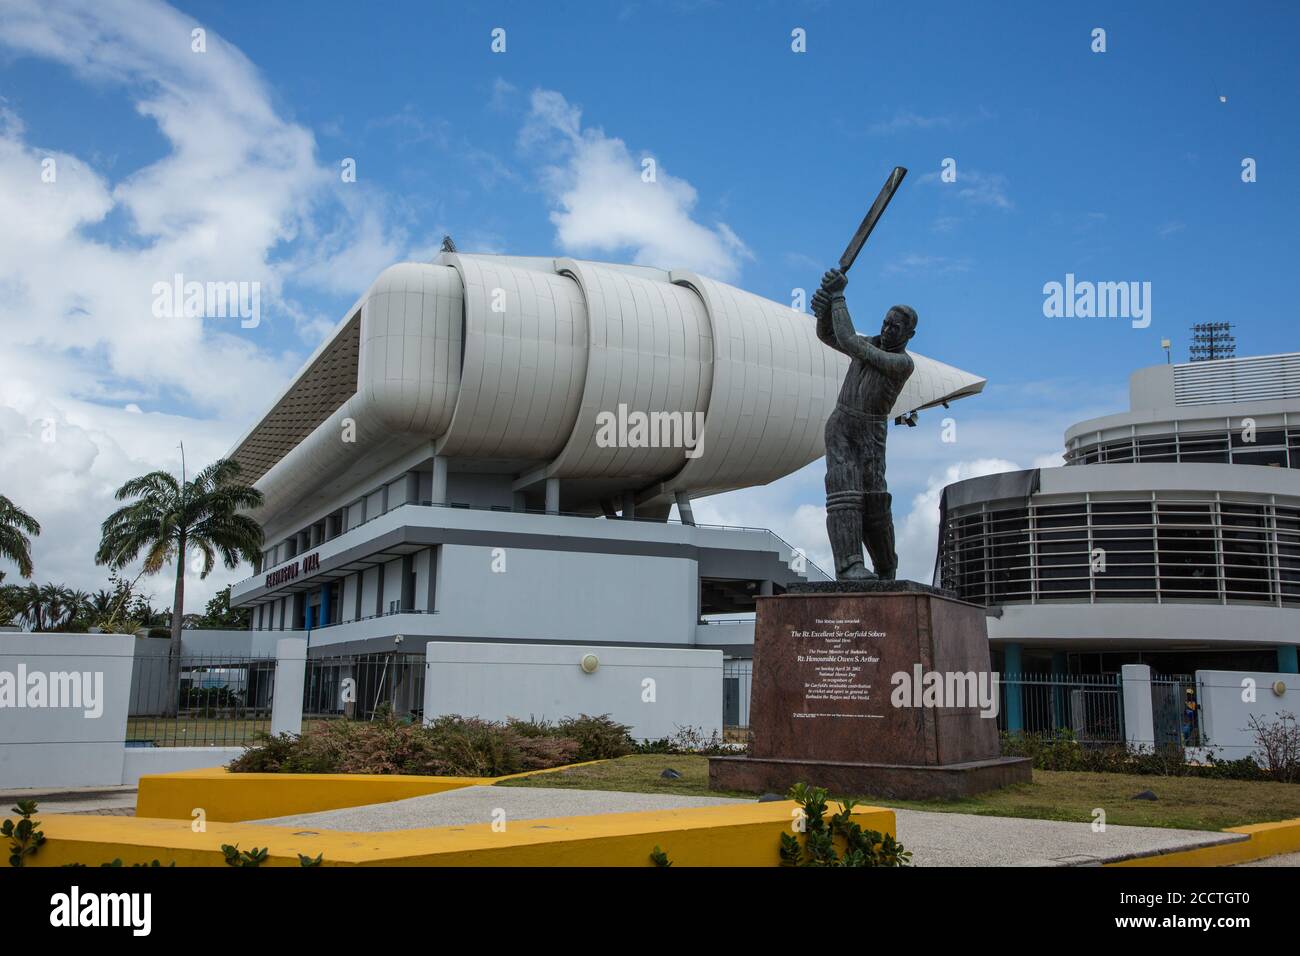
[105,801]
[935,839]
[964,839]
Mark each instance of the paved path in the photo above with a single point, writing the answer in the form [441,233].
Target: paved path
[935,839]
[1286,859]
[106,801]
[964,839]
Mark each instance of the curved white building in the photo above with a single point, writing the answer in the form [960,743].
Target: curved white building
[460,460]
[1171,536]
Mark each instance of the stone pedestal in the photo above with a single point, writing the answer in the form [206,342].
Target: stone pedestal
[877,693]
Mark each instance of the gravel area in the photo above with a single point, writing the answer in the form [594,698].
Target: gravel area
[478,804]
[935,839]
[964,839]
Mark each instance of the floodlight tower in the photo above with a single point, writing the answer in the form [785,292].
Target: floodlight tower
[1212,340]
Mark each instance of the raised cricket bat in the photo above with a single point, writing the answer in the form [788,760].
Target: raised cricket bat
[873,216]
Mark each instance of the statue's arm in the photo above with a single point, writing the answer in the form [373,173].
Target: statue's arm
[826,330]
[821,307]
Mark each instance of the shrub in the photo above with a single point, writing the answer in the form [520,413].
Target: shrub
[824,839]
[599,738]
[1277,745]
[449,746]
[689,740]
[1062,751]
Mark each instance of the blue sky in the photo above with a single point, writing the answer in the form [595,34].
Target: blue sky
[1115,166]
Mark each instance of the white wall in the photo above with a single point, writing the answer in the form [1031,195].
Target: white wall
[62,746]
[349,609]
[369,584]
[568,595]
[1225,717]
[139,761]
[496,681]
[392,583]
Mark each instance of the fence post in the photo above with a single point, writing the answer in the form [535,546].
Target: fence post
[429,702]
[290,674]
[1139,718]
[1012,668]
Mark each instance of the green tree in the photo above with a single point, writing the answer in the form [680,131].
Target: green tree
[167,520]
[218,613]
[15,526]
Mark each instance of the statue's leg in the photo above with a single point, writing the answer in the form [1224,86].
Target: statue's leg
[844,502]
[878,520]
[878,534]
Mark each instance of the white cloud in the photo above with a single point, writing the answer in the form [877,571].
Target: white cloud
[603,206]
[917,534]
[238,195]
[976,188]
[906,120]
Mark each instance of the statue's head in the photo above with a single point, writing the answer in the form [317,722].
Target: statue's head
[898,327]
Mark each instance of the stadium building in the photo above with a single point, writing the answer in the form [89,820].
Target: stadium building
[490,449]
[1170,537]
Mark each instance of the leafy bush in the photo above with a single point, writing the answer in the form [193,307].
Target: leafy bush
[450,746]
[824,839]
[690,740]
[1277,745]
[599,738]
[1062,751]
[24,836]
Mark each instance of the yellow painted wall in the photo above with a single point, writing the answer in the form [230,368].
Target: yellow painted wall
[1262,840]
[230,797]
[727,835]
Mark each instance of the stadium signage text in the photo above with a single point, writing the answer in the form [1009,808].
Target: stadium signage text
[307,565]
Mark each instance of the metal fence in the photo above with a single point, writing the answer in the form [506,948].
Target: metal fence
[199,700]
[737,679]
[362,686]
[1176,711]
[1089,705]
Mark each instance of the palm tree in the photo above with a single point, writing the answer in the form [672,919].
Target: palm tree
[169,519]
[43,606]
[15,526]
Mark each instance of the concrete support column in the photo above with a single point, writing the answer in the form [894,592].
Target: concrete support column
[1286,659]
[552,495]
[1139,716]
[290,676]
[438,490]
[1012,667]
[684,508]
[629,506]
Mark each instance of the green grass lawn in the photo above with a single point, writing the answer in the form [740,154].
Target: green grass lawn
[196,731]
[1191,803]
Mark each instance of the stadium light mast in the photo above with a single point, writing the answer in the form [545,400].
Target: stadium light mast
[1212,340]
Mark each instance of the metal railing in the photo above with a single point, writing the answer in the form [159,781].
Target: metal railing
[192,700]
[363,686]
[1090,706]
[465,506]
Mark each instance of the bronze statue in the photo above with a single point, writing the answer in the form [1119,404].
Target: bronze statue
[857,498]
